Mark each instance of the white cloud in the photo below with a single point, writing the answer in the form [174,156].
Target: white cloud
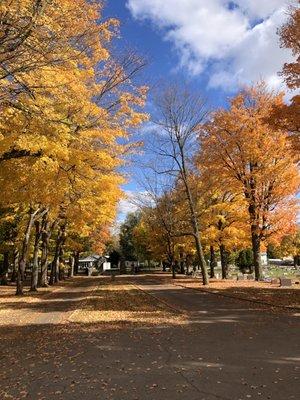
[132,201]
[259,8]
[127,205]
[147,128]
[257,56]
[237,39]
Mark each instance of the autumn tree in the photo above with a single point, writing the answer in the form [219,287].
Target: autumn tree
[224,222]
[127,239]
[255,161]
[159,221]
[290,38]
[178,117]
[287,116]
[290,246]
[65,103]
[38,35]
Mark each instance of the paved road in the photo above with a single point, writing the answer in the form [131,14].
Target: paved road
[228,349]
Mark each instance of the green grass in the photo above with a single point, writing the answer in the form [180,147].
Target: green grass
[272,271]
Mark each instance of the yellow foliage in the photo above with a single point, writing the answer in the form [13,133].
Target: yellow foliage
[59,138]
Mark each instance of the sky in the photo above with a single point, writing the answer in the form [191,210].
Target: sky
[216,45]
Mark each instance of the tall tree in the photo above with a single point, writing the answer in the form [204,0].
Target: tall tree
[65,104]
[127,244]
[159,227]
[225,222]
[179,115]
[255,161]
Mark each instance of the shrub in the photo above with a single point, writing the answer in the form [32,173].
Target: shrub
[245,260]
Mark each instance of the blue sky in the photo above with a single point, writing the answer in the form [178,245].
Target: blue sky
[216,45]
[149,41]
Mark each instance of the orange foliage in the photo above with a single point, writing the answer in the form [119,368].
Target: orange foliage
[288,116]
[290,38]
[255,161]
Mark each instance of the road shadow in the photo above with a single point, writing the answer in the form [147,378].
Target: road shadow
[135,361]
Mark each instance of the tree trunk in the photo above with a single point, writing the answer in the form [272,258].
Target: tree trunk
[61,256]
[255,229]
[71,267]
[43,281]
[54,265]
[213,262]
[296,261]
[170,259]
[201,258]
[61,270]
[4,269]
[187,268]
[195,224]
[15,265]
[76,262]
[45,236]
[54,270]
[224,261]
[35,266]
[199,249]
[24,251]
[54,276]
[256,254]
[182,267]
[173,267]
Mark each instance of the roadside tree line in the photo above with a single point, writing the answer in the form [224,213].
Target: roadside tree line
[230,177]
[67,105]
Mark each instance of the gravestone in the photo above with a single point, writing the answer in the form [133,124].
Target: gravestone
[274,281]
[267,279]
[285,282]
[196,274]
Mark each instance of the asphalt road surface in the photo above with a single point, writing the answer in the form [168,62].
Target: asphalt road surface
[228,349]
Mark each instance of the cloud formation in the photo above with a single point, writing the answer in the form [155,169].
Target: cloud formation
[127,205]
[236,39]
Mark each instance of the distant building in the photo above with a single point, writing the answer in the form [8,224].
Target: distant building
[94,261]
